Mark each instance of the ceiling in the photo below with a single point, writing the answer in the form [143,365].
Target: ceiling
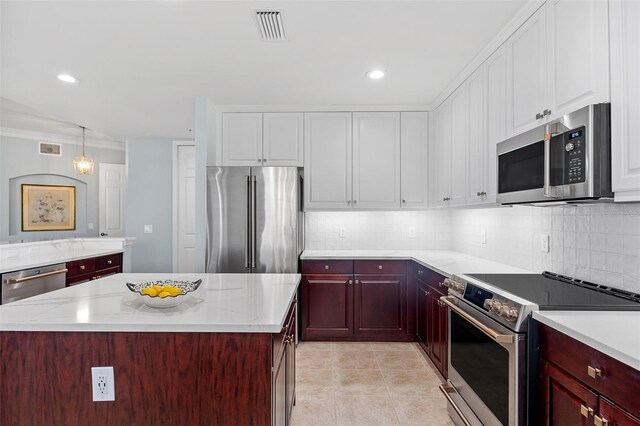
[141,64]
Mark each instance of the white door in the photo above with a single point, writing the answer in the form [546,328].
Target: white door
[376,160]
[578,52]
[112,183]
[282,139]
[477,147]
[495,70]
[327,160]
[184,208]
[458,158]
[625,99]
[527,74]
[442,160]
[242,139]
[414,181]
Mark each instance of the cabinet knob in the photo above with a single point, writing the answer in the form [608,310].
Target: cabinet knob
[420,272]
[109,262]
[440,284]
[348,202]
[538,116]
[404,201]
[594,372]
[426,293]
[350,282]
[586,411]
[379,266]
[326,266]
[259,160]
[355,201]
[600,421]
[481,193]
[264,160]
[546,112]
[82,267]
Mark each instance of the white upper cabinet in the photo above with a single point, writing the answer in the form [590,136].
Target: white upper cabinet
[625,99]
[282,139]
[527,69]
[495,120]
[327,160]
[241,139]
[376,160]
[442,149]
[477,151]
[578,53]
[458,160]
[414,159]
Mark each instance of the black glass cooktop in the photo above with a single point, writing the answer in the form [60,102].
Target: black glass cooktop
[556,292]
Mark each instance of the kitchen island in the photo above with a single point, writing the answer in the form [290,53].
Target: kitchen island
[223,356]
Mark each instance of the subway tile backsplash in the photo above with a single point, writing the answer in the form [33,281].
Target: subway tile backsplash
[599,243]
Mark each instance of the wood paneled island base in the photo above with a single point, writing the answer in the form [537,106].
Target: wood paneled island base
[160,378]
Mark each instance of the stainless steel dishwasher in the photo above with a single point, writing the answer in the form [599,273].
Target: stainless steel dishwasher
[31,282]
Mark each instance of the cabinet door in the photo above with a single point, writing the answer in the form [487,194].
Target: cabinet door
[458,160]
[437,331]
[376,160]
[282,139]
[414,182]
[290,374]
[495,70]
[612,415]
[327,306]
[476,147]
[625,99]
[242,139]
[578,52]
[421,318]
[327,160]
[278,399]
[442,158]
[380,305]
[527,73]
[565,401]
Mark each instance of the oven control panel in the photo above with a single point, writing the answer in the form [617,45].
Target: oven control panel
[503,308]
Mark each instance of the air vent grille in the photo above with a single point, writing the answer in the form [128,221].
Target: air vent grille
[46,148]
[270,25]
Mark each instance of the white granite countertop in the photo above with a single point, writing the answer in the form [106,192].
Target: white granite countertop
[251,303]
[445,262]
[15,257]
[616,334]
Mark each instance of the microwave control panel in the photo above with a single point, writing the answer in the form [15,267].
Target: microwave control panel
[574,156]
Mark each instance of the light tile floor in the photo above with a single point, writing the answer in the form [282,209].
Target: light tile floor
[366,384]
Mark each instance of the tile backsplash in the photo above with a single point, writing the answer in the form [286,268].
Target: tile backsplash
[599,243]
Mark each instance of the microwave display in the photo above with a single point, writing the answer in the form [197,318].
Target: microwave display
[521,169]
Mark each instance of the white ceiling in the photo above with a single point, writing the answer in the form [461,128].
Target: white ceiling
[141,64]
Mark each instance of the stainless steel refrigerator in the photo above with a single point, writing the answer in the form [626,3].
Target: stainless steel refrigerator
[254,219]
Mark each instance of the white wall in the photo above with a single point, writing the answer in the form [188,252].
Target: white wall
[378,230]
[598,243]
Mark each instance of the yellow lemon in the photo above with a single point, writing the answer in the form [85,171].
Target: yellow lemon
[173,291]
[149,291]
[157,288]
[164,294]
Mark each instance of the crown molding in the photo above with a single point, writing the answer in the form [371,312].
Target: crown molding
[320,108]
[516,22]
[62,139]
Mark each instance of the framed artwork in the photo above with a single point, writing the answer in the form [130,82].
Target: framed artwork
[48,208]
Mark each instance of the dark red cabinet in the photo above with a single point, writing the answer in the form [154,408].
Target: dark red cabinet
[581,386]
[366,300]
[84,270]
[284,371]
[422,314]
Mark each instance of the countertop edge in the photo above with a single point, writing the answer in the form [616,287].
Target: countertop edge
[587,340]
[61,260]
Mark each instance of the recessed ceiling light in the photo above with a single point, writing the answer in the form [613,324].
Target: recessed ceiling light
[375,74]
[67,78]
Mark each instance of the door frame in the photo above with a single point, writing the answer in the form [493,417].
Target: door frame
[174,199]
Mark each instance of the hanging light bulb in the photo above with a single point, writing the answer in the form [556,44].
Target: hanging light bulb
[83,165]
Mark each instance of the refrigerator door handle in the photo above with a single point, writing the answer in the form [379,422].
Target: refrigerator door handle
[252,238]
[247,225]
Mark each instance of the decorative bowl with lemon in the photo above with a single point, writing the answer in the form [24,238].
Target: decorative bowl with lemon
[163,293]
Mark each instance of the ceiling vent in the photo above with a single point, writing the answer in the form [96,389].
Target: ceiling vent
[270,25]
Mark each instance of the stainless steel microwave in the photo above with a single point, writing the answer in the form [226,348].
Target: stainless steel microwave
[574,165]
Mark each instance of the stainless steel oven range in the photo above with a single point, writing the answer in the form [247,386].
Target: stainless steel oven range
[492,342]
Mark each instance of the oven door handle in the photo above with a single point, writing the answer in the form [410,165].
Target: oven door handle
[500,338]
[446,390]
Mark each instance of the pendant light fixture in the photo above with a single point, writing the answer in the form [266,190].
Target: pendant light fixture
[83,165]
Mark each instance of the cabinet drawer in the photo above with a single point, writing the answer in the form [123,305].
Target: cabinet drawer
[327,267]
[81,267]
[107,262]
[616,381]
[79,279]
[380,267]
[101,273]
[418,271]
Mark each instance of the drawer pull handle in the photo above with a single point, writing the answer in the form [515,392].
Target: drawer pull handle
[326,266]
[82,267]
[109,262]
[594,372]
[600,421]
[419,272]
[379,266]
[586,411]
[350,282]
[440,284]
[426,293]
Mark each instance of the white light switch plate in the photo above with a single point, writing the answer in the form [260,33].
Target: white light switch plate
[544,243]
[148,229]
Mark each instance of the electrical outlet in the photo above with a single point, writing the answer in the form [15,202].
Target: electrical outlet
[412,232]
[148,229]
[103,384]
[342,233]
[544,243]
[483,236]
